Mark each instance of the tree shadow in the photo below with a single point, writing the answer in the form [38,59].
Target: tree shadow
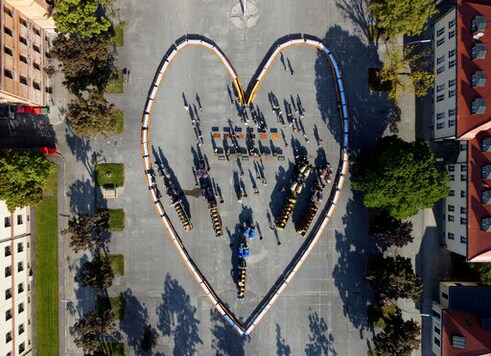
[82,196]
[366,110]
[177,318]
[357,12]
[82,149]
[282,348]
[351,267]
[225,340]
[135,320]
[320,339]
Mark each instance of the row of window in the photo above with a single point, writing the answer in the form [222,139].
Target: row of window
[441,125]
[463,193]
[441,115]
[441,97]
[10,74]
[451,236]
[22,58]
[441,87]
[451,208]
[463,177]
[22,348]
[10,32]
[441,69]
[20,220]
[20,288]
[20,268]
[463,220]
[20,248]
[463,167]
[20,309]
[8,336]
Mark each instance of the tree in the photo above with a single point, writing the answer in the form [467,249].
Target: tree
[401,177]
[92,116]
[91,331]
[97,274]
[85,62]
[87,230]
[398,338]
[389,230]
[394,277]
[401,17]
[401,70]
[81,18]
[483,271]
[23,177]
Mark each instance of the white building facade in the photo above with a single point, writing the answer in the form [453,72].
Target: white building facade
[16,282]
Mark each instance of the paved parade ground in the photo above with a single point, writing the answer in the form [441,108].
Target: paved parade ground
[323,309]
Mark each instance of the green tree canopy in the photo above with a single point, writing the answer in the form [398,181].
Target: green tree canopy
[394,277]
[483,271]
[85,62]
[401,17]
[92,116]
[93,329]
[97,274]
[81,18]
[403,70]
[23,177]
[398,338]
[401,177]
[86,230]
[389,230]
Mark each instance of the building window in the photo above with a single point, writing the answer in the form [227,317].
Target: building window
[22,40]
[440,59]
[21,329]
[440,87]
[451,112]
[451,53]
[440,42]
[450,236]
[20,288]
[8,294]
[463,221]
[451,168]
[8,337]
[440,70]
[451,123]
[8,73]
[440,125]
[463,146]
[463,210]
[451,208]
[451,83]
[22,347]
[20,308]
[463,168]
[436,341]
[463,177]
[23,59]
[440,98]
[8,51]
[8,252]
[451,218]
[451,63]
[20,247]
[8,271]
[7,221]
[23,79]
[20,266]
[23,22]
[451,23]
[451,34]
[36,31]
[458,342]
[36,66]
[36,85]
[451,193]
[452,177]
[36,48]
[437,330]
[440,31]
[463,194]
[20,219]
[8,31]
[7,11]
[440,115]
[8,315]
[435,314]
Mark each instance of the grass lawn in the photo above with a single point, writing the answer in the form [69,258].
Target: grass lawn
[117,263]
[118,35]
[116,219]
[115,85]
[374,82]
[109,174]
[46,271]
[119,116]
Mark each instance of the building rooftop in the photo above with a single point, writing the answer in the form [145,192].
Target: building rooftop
[465,334]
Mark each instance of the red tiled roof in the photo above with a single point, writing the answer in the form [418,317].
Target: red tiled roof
[468,124]
[477,340]
[474,127]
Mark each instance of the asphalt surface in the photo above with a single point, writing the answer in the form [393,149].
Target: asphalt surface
[323,311]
